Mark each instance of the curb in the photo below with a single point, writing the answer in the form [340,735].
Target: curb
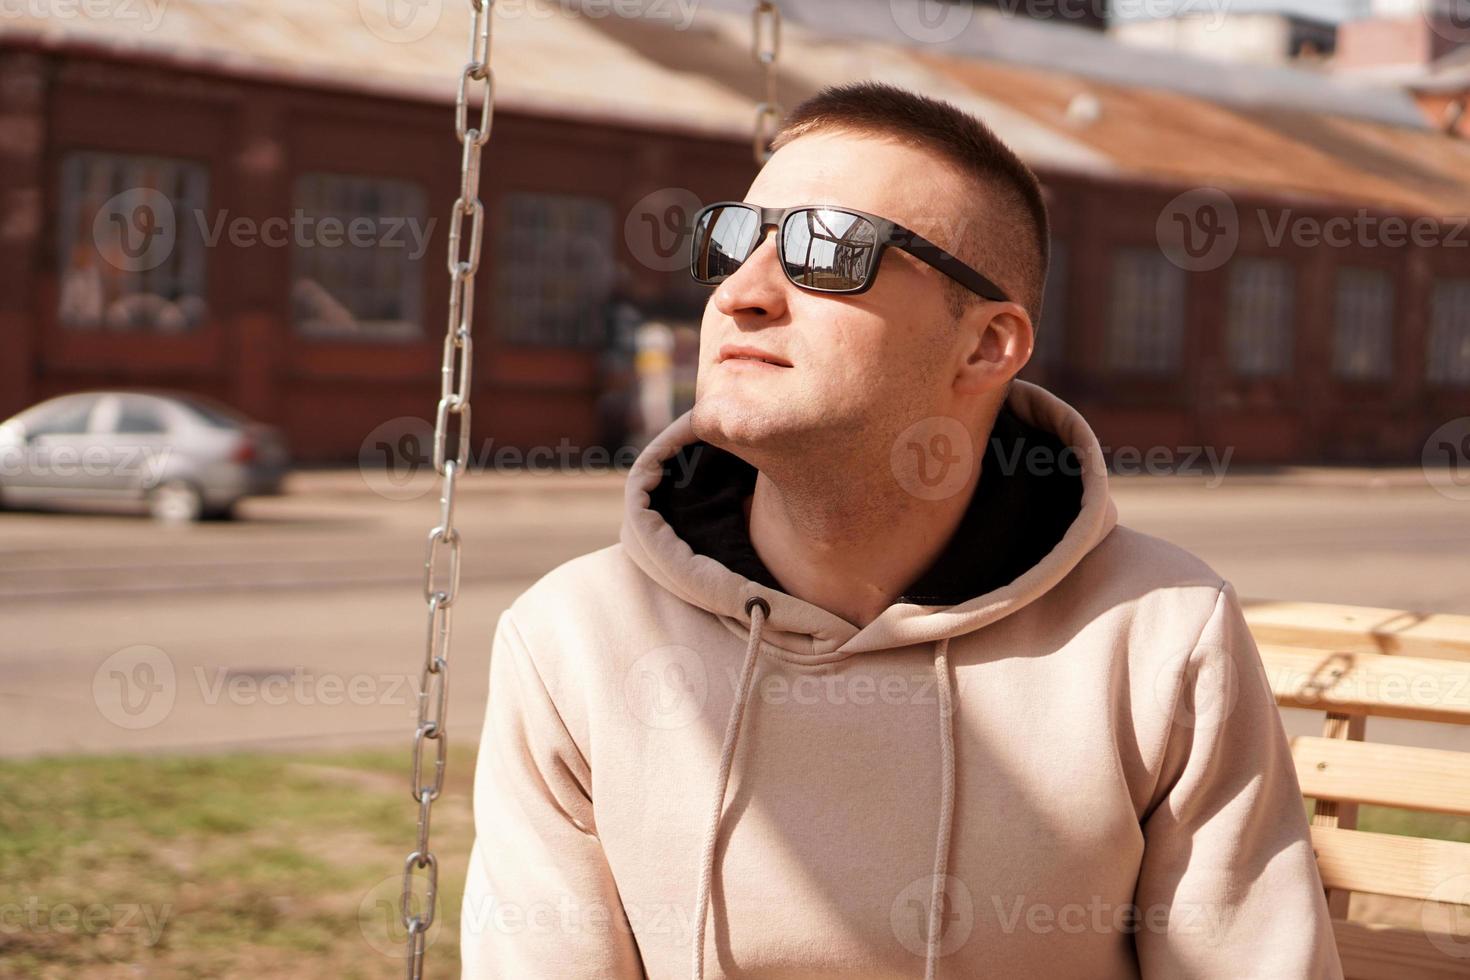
[350,482]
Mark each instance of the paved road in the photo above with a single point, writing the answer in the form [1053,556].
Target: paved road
[303,623]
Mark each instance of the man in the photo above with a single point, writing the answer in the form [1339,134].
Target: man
[872,685]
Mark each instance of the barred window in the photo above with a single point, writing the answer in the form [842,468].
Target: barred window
[1449,333]
[554,269]
[1362,346]
[357,256]
[132,243]
[1146,314]
[1261,310]
[1051,331]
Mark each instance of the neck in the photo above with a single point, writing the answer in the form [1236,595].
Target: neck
[846,536]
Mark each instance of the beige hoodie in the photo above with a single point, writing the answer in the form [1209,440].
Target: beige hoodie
[1086,764]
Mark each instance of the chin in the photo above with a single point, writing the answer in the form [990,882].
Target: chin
[735,423]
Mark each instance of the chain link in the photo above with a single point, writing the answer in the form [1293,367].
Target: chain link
[441,585]
[454,400]
[765,48]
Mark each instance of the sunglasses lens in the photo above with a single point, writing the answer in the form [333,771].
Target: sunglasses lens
[828,249]
[723,238]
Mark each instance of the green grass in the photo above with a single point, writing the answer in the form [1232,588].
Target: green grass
[1408,823]
[231,865]
[1387,820]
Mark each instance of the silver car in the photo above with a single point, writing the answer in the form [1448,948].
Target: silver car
[181,456]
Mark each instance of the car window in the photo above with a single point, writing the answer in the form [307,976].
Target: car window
[214,413]
[140,417]
[68,417]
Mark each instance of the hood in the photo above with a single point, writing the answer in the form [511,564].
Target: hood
[800,631]
[1022,532]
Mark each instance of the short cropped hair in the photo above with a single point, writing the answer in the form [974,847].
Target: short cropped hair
[1011,244]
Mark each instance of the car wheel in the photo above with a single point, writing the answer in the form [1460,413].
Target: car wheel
[175,502]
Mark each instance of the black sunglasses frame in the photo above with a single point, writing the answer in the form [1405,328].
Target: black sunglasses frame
[888,233]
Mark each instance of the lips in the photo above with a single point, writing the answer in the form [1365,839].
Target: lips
[734,352]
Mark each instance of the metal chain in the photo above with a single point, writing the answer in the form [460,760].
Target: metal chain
[454,400]
[765,47]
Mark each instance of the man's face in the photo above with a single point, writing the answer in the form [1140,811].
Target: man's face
[862,367]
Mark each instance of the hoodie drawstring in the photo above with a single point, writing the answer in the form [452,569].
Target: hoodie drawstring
[946,803]
[758,609]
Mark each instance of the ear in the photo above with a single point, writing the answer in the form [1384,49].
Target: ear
[999,342]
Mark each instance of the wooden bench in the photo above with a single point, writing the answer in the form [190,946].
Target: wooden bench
[1351,663]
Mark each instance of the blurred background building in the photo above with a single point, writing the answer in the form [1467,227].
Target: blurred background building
[179,176]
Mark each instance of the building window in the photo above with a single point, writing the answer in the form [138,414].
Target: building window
[554,269]
[132,243]
[1051,331]
[1259,332]
[1449,333]
[358,248]
[1362,347]
[1146,316]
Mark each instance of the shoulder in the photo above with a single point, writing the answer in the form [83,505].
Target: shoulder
[1152,594]
[593,585]
[592,606]
[1149,561]
[573,625]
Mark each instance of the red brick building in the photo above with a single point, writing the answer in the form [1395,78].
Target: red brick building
[268,133]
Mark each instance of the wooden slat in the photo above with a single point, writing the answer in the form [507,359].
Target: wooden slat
[1359,629]
[1385,775]
[1420,688]
[1387,864]
[1375,952]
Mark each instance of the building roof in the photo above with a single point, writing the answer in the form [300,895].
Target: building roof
[694,74]
[1322,11]
[1176,139]
[1449,74]
[1304,139]
[994,35]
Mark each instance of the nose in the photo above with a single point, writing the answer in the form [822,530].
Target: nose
[757,291]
